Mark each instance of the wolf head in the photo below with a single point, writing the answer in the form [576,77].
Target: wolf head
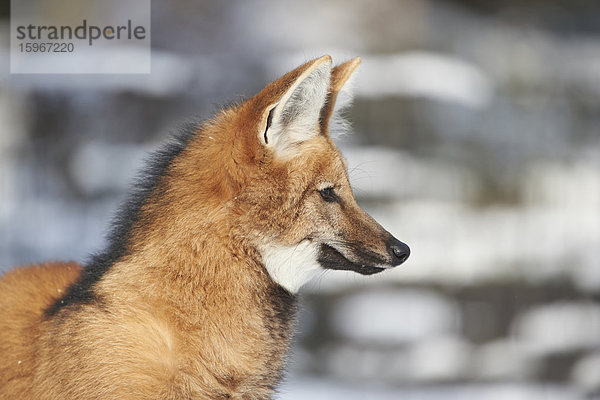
[267,175]
[298,198]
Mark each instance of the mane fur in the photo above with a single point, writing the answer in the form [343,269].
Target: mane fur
[155,168]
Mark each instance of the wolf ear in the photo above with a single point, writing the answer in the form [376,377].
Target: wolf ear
[294,105]
[339,97]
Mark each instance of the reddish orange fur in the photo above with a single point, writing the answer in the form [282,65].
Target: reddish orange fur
[25,293]
[189,311]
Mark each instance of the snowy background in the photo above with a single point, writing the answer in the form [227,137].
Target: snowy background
[476,141]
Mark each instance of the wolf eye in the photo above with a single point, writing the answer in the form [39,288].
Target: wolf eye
[329,195]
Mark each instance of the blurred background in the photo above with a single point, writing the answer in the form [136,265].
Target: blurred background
[476,141]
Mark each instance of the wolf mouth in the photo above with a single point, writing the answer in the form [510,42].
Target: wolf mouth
[330,258]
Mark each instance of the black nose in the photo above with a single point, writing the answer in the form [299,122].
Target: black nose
[398,250]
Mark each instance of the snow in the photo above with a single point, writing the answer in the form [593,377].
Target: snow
[574,185]
[394,316]
[558,328]
[425,74]
[445,358]
[586,372]
[503,359]
[383,173]
[302,388]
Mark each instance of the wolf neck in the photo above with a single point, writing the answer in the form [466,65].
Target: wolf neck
[184,253]
[199,272]
[222,304]
[198,264]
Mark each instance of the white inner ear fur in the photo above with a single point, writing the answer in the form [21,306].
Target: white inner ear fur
[292,266]
[295,117]
[338,124]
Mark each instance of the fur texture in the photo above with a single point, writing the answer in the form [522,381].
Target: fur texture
[194,298]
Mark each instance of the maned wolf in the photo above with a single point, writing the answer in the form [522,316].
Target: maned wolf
[194,298]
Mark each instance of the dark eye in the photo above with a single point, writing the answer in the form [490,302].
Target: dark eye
[328,194]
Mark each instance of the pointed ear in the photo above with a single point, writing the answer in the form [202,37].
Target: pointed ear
[337,98]
[292,105]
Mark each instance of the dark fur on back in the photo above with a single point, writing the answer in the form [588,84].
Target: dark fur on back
[156,166]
